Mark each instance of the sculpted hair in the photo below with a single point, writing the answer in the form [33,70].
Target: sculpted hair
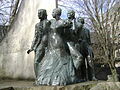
[43,11]
[58,11]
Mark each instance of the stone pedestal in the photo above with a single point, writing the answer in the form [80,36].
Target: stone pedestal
[91,85]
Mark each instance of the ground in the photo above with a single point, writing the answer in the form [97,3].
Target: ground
[28,85]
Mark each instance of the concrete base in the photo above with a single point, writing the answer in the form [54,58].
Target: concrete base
[28,85]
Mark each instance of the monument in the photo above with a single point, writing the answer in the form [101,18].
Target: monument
[55,62]
[54,46]
[15,63]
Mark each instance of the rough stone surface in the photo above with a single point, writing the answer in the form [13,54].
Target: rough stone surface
[14,61]
[28,85]
[107,86]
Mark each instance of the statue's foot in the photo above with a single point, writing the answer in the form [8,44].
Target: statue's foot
[81,80]
[35,83]
[94,79]
[84,80]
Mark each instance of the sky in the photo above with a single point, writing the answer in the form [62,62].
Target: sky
[76,5]
[69,4]
[61,3]
[6,10]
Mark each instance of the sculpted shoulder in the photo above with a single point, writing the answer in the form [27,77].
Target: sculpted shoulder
[52,20]
[37,25]
[61,23]
[48,22]
[86,30]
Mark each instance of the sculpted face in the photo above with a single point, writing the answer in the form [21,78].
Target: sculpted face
[42,14]
[71,14]
[56,12]
[80,19]
[80,23]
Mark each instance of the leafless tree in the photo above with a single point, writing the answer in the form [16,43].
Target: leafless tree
[104,19]
[8,9]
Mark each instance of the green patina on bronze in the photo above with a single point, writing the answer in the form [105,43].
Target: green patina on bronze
[62,50]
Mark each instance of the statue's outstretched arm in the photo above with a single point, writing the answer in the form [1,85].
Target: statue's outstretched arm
[35,40]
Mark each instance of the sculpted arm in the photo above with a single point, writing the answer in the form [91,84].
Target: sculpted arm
[35,40]
[89,38]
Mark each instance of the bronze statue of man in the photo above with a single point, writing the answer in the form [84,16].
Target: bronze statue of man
[72,19]
[38,44]
[77,57]
[84,46]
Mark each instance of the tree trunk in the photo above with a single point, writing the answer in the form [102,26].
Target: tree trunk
[113,71]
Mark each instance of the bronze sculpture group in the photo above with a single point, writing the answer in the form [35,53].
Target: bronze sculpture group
[63,53]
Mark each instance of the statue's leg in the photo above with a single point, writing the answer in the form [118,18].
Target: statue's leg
[84,51]
[36,63]
[86,69]
[39,54]
[90,58]
[83,70]
[91,68]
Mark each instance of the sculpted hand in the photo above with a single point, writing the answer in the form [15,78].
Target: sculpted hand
[67,23]
[30,50]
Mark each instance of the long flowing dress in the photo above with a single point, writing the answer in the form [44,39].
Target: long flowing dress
[57,66]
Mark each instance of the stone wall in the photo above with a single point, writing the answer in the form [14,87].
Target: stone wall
[14,61]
